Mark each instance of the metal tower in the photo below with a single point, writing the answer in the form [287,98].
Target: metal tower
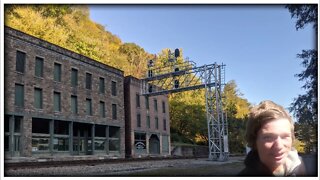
[178,77]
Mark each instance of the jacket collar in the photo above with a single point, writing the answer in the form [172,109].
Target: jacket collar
[253,162]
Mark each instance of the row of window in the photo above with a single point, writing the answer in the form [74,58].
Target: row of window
[39,65]
[140,143]
[14,133]
[148,122]
[38,102]
[155,103]
[105,138]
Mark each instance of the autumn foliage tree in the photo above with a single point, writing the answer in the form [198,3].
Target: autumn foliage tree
[70,27]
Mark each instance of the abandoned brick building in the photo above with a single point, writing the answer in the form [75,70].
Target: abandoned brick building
[60,103]
[147,121]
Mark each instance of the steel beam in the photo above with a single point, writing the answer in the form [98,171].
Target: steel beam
[186,77]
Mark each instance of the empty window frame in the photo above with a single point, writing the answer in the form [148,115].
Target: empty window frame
[138,120]
[163,107]
[57,72]
[113,88]
[102,109]
[57,101]
[74,104]
[100,138]
[38,70]
[140,142]
[19,95]
[12,142]
[38,98]
[137,100]
[89,107]
[61,127]
[88,81]
[20,61]
[17,129]
[157,123]
[114,111]
[155,103]
[101,85]
[74,77]
[147,102]
[100,131]
[6,133]
[148,121]
[114,138]
[40,134]
[61,136]
[164,124]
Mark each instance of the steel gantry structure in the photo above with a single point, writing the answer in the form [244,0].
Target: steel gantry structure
[179,77]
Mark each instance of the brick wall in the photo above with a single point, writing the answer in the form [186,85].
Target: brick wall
[34,47]
[133,87]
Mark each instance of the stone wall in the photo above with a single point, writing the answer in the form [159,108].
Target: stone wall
[190,151]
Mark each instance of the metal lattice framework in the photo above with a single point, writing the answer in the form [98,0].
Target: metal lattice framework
[186,76]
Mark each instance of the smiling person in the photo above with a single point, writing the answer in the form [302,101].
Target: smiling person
[270,135]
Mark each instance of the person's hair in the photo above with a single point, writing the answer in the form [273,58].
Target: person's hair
[259,115]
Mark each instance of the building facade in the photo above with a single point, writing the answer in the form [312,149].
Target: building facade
[147,122]
[58,102]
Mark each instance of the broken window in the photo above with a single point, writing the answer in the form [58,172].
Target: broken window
[20,61]
[40,134]
[88,80]
[113,88]
[100,137]
[114,138]
[100,131]
[114,111]
[140,142]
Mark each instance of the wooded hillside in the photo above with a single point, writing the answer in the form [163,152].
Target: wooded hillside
[70,27]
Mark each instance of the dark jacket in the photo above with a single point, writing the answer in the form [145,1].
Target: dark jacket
[254,167]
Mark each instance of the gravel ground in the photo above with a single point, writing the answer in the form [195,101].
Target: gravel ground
[118,169]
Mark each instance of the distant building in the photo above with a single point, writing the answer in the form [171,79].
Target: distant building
[60,103]
[147,122]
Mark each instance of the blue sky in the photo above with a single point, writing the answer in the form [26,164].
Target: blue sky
[257,43]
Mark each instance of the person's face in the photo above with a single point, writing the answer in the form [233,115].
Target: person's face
[274,142]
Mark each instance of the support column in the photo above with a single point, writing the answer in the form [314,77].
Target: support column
[107,140]
[11,136]
[147,143]
[71,138]
[26,136]
[160,144]
[92,138]
[51,132]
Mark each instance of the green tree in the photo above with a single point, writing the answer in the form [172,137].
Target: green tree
[188,116]
[305,106]
[236,109]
